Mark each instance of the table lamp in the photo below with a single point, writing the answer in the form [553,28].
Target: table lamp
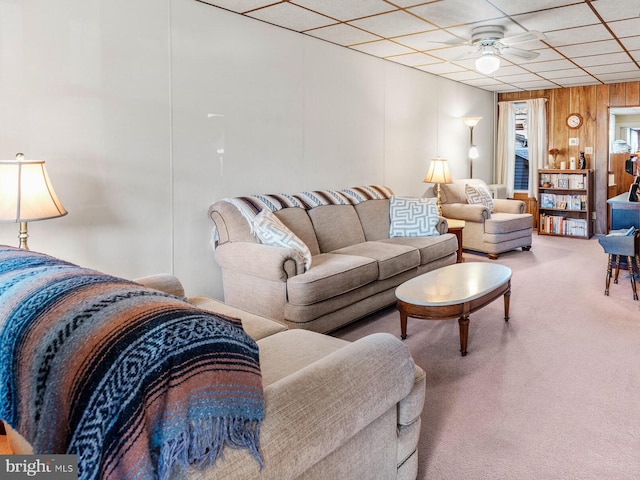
[26,194]
[438,173]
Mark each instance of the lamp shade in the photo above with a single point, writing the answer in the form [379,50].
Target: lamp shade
[471,121]
[473,152]
[26,193]
[438,171]
[487,63]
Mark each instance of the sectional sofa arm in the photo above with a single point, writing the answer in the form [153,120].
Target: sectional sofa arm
[503,205]
[258,260]
[313,411]
[467,212]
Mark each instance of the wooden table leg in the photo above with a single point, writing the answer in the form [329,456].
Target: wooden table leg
[464,333]
[507,298]
[403,325]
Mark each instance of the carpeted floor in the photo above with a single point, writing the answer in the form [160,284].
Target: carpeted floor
[553,394]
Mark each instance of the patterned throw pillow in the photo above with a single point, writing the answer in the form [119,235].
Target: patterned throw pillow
[479,194]
[413,217]
[270,230]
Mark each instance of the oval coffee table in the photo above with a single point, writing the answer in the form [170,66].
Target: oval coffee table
[454,291]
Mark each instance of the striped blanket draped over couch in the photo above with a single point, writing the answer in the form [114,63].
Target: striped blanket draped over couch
[134,381]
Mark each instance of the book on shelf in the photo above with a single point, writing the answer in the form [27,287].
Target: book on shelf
[559,225]
[622,232]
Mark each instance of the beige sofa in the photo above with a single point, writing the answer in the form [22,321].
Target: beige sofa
[505,228]
[333,409]
[355,266]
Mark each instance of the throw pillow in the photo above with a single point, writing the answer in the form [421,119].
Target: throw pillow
[270,230]
[479,194]
[413,217]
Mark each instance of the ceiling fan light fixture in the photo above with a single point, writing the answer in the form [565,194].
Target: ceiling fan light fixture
[487,63]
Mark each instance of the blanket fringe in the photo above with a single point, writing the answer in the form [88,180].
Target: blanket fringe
[202,443]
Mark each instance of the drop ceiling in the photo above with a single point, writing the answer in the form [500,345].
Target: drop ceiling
[586,42]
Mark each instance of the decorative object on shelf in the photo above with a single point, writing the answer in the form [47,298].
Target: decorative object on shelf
[572,163]
[553,155]
[473,150]
[26,194]
[582,163]
[438,173]
[574,120]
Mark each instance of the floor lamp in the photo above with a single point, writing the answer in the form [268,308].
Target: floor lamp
[473,150]
[438,173]
[26,194]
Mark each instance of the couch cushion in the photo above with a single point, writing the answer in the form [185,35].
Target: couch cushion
[413,217]
[298,221]
[501,223]
[331,274]
[270,230]
[430,248]
[336,226]
[392,259]
[374,217]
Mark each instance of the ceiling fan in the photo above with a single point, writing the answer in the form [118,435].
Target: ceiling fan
[488,43]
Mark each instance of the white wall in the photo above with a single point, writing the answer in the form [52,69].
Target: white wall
[147,112]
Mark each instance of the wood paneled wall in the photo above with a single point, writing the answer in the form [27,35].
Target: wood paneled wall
[592,102]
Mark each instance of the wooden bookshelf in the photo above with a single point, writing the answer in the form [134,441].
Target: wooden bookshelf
[566,203]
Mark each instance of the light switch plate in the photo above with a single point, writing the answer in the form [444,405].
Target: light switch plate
[574,142]
[588,150]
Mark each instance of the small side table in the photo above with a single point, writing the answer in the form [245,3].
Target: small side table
[456,227]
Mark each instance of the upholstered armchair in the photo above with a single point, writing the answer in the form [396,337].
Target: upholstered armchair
[492,225]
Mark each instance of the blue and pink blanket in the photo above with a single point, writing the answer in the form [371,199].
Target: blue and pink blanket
[134,381]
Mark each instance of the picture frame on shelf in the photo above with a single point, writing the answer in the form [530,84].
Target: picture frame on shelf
[563,183]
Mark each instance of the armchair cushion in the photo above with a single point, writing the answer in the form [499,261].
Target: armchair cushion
[478,195]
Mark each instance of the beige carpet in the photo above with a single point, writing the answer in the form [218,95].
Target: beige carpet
[553,394]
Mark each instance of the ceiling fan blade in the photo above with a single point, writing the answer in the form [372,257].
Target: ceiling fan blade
[523,37]
[518,52]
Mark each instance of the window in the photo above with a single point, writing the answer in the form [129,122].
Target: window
[521,171]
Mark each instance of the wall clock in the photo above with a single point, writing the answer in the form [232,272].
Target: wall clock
[574,120]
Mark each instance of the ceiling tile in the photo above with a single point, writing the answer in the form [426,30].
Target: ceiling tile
[290,16]
[456,12]
[619,77]
[625,28]
[382,48]
[440,68]
[414,59]
[239,6]
[575,81]
[428,40]
[608,59]
[463,76]
[345,11]
[450,53]
[606,46]
[546,54]
[511,7]
[525,77]
[567,72]
[611,10]
[538,84]
[570,36]
[558,18]
[343,34]
[631,43]
[552,65]
[393,24]
[618,67]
